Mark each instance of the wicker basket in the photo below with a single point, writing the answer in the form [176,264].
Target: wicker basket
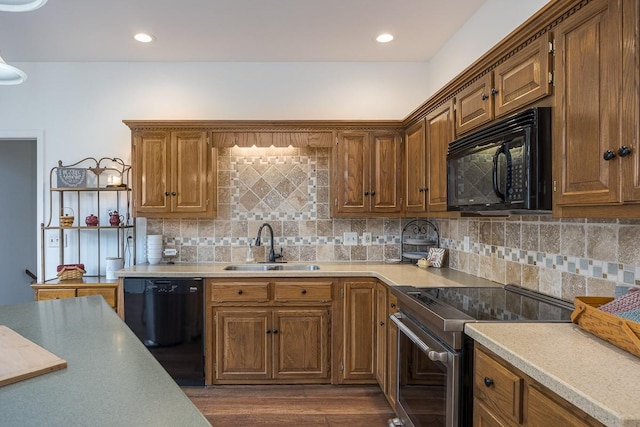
[70,272]
[66,220]
[618,331]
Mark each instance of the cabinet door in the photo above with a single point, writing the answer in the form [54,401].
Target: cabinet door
[587,117]
[386,162]
[151,170]
[544,411]
[301,344]
[415,176]
[381,336]
[483,417]
[352,173]
[523,78]
[631,101]
[189,184]
[242,344]
[359,332]
[474,105]
[440,131]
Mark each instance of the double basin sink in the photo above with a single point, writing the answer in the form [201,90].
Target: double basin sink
[272,267]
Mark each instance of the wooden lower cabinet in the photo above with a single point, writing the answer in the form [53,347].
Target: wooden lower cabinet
[505,396]
[358,364]
[281,344]
[392,353]
[381,336]
[269,331]
[72,290]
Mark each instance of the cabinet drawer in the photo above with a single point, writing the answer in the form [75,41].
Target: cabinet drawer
[305,291]
[109,294]
[47,294]
[498,387]
[240,291]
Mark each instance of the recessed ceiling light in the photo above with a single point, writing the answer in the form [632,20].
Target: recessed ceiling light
[144,37]
[10,75]
[384,38]
[20,5]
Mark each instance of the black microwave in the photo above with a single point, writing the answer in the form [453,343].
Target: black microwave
[504,167]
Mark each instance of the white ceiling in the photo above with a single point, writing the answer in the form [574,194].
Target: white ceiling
[232,30]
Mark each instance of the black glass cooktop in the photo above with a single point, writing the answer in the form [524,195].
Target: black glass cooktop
[509,303]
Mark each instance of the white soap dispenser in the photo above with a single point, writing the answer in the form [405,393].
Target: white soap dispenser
[249,254]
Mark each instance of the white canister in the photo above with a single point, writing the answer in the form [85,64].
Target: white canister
[113,265]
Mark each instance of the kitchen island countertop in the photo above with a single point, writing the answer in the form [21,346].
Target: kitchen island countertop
[110,380]
[391,274]
[595,376]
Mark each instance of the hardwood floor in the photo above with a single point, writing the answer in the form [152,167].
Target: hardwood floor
[292,405]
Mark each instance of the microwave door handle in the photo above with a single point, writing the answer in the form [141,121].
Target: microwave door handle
[496,189]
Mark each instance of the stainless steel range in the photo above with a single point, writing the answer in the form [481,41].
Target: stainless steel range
[435,384]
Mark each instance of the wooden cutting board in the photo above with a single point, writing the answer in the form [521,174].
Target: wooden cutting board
[21,359]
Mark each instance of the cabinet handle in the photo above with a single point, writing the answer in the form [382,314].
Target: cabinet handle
[488,381]
[304,291]
[381,323]
[240,292]
[166,193]
[373,193]
[268,331]
[393,305]
[494,91]
[624,151]
[173,193]
[275,331]
[608,155]
[366,193]
[485,96]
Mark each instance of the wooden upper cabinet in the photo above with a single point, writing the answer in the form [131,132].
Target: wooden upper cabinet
[523,78]
[366,169]
[151,171]
[415,171]
[440,131]
[173,174]
[587,119]
[386,161]
[474,104]
[515,83]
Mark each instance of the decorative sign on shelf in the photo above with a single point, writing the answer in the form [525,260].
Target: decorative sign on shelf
[71,177]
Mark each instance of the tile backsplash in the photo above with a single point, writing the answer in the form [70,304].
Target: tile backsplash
[289,189]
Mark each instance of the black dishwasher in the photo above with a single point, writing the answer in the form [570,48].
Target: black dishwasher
[167,316]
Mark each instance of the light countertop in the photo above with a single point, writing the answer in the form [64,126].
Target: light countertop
[391,274]
[110,379]
[595,376]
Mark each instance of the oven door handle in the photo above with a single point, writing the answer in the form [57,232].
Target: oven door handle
[432,354]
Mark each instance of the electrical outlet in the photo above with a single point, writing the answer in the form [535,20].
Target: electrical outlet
[53,242]
[350,238]
[366,238]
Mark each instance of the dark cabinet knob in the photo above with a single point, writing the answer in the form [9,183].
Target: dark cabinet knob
[268,331]
[608,155]
[174,193]
[304,291]
[494,91]
[373,193]
[485,96]
[393,305]
[166,193]
[381,323]
[366,193]
[488,381]
[421,190]
[275,331]
[624,151]
[240,292]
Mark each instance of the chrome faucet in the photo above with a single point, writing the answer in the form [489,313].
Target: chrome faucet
[272,252]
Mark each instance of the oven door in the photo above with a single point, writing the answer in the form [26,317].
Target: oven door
[428,377]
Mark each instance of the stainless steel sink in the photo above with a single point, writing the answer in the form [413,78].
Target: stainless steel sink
[272,267]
